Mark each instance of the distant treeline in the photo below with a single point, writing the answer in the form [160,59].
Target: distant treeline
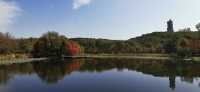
[184,43]
[9,44]
[156,42]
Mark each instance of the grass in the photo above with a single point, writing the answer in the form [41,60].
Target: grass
[196,59]
[138,54]
[155,56]
[122,56]
[12,56]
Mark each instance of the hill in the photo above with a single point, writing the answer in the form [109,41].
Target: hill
[156,42]
[183,42]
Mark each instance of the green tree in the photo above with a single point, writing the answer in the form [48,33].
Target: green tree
[184,52]
[185,30]
[170,46]
[25,45]
[198,26]
[183,49]
[49,45]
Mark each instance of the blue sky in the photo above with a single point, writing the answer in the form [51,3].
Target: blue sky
[111,19]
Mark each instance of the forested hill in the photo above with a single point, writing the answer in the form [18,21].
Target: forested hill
[156,42]
[182,42]
[92,45]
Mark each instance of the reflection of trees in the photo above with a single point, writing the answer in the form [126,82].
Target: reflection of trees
[188,79]
[8,71]
[52,71]
[48,71]
[73,65]
[4,76]
[154,67]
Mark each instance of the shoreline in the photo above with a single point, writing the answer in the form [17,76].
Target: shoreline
[119,57]
[101,56]
[22,60]
[135,56]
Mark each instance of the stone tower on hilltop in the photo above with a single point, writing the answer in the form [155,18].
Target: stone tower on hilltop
[170,27]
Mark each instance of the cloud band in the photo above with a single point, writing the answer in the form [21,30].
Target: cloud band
[80,3]
[8,11]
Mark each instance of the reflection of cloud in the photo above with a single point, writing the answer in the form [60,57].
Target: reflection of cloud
[79,3]
[8,11]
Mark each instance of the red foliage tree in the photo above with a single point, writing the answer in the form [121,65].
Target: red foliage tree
[73,48]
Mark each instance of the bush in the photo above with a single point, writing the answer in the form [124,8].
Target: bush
[73,48]
[184,53]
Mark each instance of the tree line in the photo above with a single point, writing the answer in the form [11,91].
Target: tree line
[184,43]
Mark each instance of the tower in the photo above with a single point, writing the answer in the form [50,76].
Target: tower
[170,27]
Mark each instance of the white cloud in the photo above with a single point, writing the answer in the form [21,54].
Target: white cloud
[79,3]
[8,11]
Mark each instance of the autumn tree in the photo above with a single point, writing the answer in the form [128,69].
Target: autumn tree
[73,48]
[7,43]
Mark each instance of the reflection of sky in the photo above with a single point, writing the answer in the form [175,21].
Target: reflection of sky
[3,88]
[184,86]
[107,81]
[114,19]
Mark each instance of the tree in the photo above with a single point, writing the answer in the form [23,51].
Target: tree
[7,43]
[25,45]
[198,26]
[184,52]
[170,46]
[49,45]
[185,30]
[72,48]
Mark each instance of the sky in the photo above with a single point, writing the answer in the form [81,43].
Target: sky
[109,19]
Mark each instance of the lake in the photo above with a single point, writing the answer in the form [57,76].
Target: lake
[100,75]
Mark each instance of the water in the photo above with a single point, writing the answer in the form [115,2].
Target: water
[100,75]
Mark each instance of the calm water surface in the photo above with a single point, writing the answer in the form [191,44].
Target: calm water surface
[100,75]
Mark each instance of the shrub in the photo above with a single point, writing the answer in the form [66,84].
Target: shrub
[184,53]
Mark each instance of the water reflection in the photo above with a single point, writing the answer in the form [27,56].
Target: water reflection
[52,71]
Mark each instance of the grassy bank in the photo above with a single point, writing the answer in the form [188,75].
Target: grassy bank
[138,54]
[121,56]
[196,59]
[12,57]
[156,56]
